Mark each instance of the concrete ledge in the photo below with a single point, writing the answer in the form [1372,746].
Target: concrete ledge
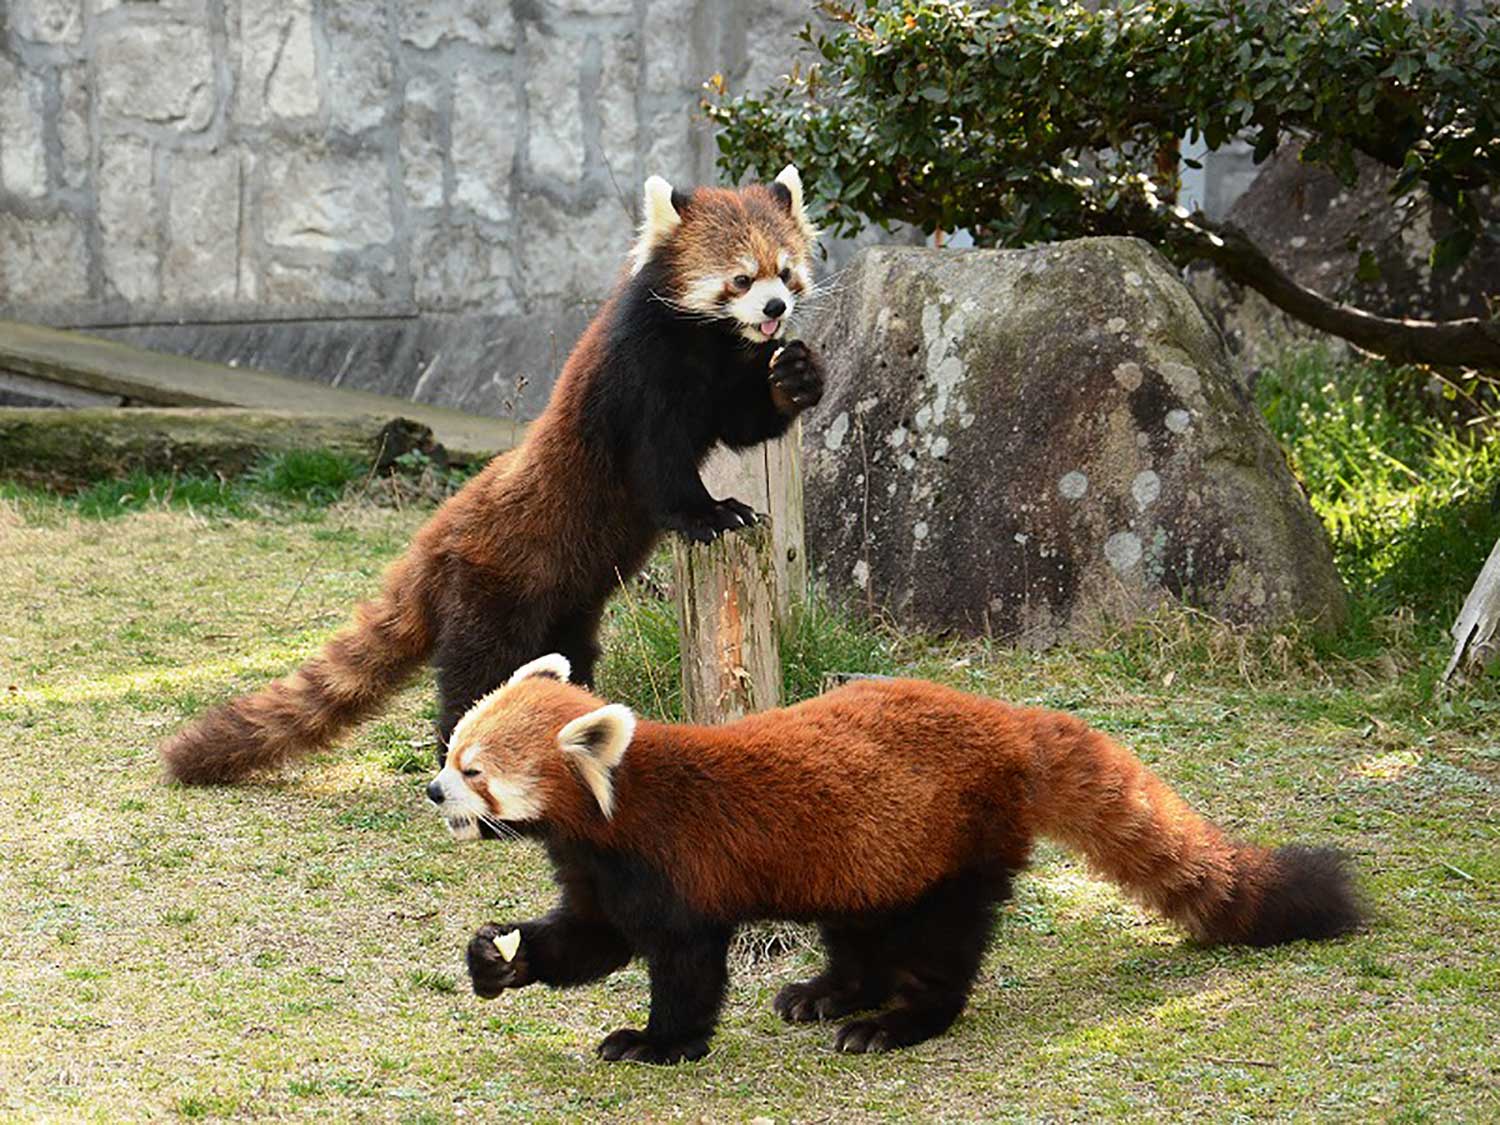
[106,367]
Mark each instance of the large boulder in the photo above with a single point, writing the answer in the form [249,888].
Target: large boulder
[1035,443]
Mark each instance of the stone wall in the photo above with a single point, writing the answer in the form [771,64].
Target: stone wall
[427,199]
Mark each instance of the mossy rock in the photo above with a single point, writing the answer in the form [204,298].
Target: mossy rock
[62,447]
[1038,444]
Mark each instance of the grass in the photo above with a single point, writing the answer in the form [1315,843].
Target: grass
[294,948]
[1412,503]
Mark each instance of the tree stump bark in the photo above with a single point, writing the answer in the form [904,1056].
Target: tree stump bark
[733,594]
[728,625]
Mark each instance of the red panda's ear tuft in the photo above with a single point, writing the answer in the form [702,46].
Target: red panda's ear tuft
[787,188]
[659,218]
[554,666]
[596,742]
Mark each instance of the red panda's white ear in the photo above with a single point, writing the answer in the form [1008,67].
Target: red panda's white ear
[554,666]
[596,742]
[791,179]
[659,218]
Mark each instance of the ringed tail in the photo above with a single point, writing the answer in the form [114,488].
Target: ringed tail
[356,672]
[1097,798]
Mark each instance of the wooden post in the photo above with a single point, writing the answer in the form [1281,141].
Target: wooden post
[733,594]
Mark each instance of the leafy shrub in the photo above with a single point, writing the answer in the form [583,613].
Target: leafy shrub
[1036,120]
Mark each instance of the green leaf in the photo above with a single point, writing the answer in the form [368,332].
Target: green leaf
[1452,248]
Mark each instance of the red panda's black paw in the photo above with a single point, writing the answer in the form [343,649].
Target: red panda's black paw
[708,525]
[796,378]
[811,1000]
[863,1037]
[747,515]
[489,972]
[630,1045]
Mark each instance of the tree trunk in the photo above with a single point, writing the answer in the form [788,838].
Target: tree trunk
[1470,342]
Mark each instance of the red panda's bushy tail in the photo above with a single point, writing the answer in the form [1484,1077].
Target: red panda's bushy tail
[356,672]
[1099,799]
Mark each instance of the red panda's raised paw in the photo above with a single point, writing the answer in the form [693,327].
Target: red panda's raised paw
[629,1044]
[796,378]
[489,972]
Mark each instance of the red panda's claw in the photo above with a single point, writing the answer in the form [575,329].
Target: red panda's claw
[811,1000]
[863,1037]
[629,1044]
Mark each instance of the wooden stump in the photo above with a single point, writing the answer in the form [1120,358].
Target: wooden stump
[728,626]
[769,479]
[733,594]
[1475,631]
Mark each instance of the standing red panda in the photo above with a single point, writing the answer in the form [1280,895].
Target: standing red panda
[892,813]
[689,351]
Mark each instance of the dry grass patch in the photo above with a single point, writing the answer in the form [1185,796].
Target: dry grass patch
[293,948]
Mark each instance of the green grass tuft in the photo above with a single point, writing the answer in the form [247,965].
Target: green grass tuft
[310,476]
[822,638]
[141,491]
[1409,498]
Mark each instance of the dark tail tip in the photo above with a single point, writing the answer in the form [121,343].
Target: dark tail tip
[1310,895]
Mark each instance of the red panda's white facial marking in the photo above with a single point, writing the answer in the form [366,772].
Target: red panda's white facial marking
[460,803]
[513,747]
[741,256]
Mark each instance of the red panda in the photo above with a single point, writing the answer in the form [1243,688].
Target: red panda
[891,813]
[690,350]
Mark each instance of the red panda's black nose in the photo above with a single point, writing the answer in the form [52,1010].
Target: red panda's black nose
[435,792]
[775,307]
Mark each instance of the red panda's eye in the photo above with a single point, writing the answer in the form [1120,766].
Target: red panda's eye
[471,773]
[786,274]
[741,282]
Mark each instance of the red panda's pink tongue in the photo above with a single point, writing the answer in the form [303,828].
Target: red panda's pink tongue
[769,327]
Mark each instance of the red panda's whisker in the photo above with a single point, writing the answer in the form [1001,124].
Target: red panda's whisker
[501,829]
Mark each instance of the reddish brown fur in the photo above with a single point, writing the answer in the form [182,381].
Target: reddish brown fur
[862,799]
[523,559]
[517,517]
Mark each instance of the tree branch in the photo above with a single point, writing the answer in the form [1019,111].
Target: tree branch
[1470,342]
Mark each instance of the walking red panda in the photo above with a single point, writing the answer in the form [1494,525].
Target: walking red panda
[892,813]
[690,350]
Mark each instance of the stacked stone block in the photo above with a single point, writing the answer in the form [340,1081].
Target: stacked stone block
[426,199]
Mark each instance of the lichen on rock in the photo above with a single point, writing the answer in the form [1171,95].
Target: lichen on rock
[1035,443]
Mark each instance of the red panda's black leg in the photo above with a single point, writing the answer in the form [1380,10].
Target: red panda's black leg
[856,979]
[560,949]
[482,643]
[573,635]
[688,975]
[664,468]
[932,951]
[768,399]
